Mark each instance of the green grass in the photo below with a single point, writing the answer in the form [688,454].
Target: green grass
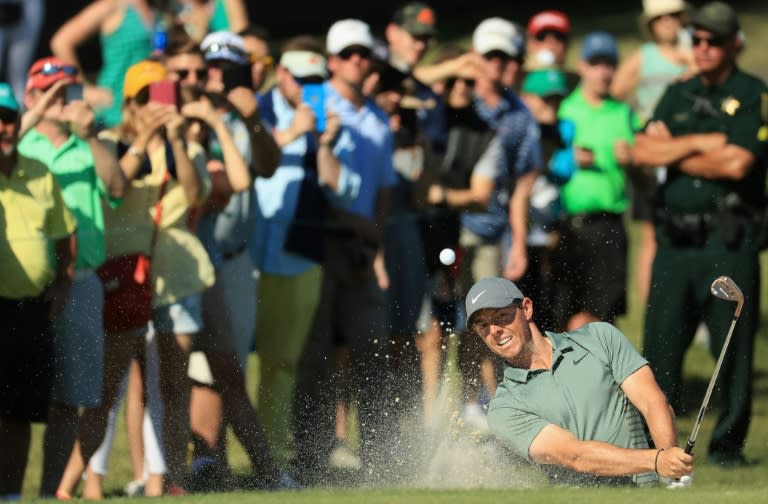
[710,484]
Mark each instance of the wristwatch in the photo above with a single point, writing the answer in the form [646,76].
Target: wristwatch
[135,151]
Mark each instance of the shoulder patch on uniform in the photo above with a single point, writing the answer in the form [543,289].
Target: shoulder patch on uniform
[762,133]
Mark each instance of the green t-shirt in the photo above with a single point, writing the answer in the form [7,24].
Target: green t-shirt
[220,18]
[602,186]
[581,393]
[129,44]
[72,164]
[733,108]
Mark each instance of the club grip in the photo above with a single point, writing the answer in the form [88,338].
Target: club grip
[689,447]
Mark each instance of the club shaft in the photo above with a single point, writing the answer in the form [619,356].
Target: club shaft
[711,387]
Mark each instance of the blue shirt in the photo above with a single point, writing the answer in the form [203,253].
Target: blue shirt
[519,135]
[369,141]
[278,196]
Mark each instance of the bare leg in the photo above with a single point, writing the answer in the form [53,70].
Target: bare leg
[60,434]
[428,345]
[134,418]
[205,412]
[645,254]
[14,438]
[174,388]
[118,350]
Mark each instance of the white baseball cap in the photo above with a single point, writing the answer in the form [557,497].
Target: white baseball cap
[304,64]
[346,33]
[497,34]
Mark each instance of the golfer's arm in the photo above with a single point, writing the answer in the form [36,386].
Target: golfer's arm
[644,393]
[557,446]
[729,162]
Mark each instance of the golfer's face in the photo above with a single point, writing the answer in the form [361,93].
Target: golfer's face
[504,330]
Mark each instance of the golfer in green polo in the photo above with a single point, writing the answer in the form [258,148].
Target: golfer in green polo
[574,402]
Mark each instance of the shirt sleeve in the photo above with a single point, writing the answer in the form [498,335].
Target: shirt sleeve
[515,427]
[489,164]
[59,222]
[622,357]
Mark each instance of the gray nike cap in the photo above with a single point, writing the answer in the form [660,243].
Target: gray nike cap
[491,292]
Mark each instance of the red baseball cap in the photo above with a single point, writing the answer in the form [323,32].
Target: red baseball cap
[45,71]
[549,20]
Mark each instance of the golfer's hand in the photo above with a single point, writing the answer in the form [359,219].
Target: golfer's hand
[674,463]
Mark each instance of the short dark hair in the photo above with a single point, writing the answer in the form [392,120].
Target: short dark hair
[304,43]
[254,31]
[179,42]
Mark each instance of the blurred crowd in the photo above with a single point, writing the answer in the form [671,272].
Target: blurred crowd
[208,194]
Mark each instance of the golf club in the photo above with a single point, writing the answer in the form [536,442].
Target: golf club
[724,288]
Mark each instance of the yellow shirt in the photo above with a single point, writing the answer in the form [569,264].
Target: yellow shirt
[32,216]
[180,264]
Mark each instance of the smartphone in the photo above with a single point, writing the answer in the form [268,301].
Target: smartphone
[314,96]
[235,76]
[73,92]
[165,91]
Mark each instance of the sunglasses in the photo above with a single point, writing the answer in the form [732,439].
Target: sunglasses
[497,54]
[51,69]
[348,52]
[8,116]
[451,82]
[183,73]
[711,41]
[543,34]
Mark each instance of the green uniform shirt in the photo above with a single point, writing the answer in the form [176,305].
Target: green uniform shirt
[734,108]
[72,164]
[581,393]
[600,187]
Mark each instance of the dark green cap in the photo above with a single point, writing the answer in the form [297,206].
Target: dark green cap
[717,17]
[545,82]
[416,18]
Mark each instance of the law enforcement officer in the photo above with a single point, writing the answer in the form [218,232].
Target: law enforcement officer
[710,133]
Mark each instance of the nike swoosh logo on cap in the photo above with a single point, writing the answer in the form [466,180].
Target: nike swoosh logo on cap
[474,299]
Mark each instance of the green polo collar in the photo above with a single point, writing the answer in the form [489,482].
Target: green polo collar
[563,349]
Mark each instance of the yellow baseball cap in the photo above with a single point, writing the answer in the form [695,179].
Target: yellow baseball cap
[142,74]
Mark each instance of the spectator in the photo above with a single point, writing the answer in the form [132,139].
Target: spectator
[255,40]
[643,77]
[289,244]
[710,133]
[34,291]
[181,270]
[549,35]
[594,198]
[19,34]
[126,30]
[64,139]
[543,91]
[498,42]
[219,395]
[353,301]
[200,17]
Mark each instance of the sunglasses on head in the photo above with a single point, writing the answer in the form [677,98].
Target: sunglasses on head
[543,34]
[8,116]
[52,69]
[716,41]
[183,73]
[348,52]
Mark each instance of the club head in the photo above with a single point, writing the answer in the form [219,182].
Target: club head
[725,288]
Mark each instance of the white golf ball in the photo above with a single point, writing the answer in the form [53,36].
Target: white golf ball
[447,256]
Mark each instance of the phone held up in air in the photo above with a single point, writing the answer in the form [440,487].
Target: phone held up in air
[314,96]
[73,92]
[165,92]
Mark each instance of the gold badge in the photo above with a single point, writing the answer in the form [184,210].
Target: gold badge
[764,106]
[762,133]
[730,105]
